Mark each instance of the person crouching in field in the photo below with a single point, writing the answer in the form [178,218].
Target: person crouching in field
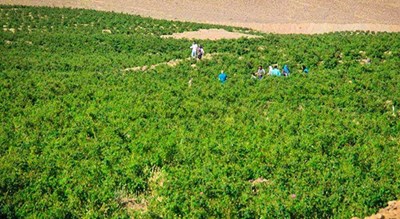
[194,48]
[270,70]
[275,71]
[222,77]
[286,70]
[260,72]
[305,69]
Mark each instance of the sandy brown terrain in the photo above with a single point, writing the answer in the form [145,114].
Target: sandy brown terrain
[392,211]
[278,16]
[211,34]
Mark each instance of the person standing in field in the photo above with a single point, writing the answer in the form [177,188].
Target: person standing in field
[222,77]
[200,52]
[194,48]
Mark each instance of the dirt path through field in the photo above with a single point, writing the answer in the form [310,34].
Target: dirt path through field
[277,16]
[171,63]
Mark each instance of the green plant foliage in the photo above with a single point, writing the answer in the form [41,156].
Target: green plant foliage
[80,137]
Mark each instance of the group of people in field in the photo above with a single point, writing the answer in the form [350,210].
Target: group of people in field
[260,73]
[273,70]
[197,51]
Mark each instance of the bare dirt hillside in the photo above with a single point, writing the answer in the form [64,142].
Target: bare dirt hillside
[392,211]
[278,16]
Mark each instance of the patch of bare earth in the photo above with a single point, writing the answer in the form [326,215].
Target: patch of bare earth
[209,34]
[171,63]
[255,183]
[272,16]
[258,181]
[140,203]
[392,211]
[134,204]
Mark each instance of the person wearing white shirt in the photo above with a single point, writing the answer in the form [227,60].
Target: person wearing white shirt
[194,49]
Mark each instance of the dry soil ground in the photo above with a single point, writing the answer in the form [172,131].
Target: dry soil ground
[392,211]
[278,16]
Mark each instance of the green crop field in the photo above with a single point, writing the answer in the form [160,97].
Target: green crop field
[81,137]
